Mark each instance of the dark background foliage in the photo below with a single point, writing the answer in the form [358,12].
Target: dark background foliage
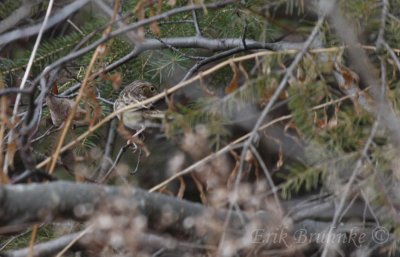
[282,109]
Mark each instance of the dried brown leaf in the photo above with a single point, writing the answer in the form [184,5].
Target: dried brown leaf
[12,149]
[182,187]
[171,3]
[116,80]
[200,187]
[154,25]
[233,85]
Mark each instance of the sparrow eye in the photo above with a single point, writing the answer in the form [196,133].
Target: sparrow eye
[152,89]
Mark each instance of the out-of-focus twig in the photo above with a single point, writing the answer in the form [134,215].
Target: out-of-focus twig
[271,102]
[367,72]
[343,29]
[106,162]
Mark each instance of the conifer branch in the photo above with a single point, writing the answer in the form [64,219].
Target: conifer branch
[123,30]
[271,102]
[365,69]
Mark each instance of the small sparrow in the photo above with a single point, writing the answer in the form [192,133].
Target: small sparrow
[60,108]
[143,116]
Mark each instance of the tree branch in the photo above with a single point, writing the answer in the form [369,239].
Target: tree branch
[59,200]
[56,18]
[19,14]
[32,203]
[120,31]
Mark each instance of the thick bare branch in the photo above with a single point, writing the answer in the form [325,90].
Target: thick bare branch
[57,200]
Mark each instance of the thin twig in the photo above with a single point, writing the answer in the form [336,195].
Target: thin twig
[394,17]
[106,159]
[73,110]
[48,132]
[132,36]
[211,59]
[380,39]
[5,243]
[244,36]
[14,90]
[117,159]
[25,77]
[196,23]
[75,27]
[393,55]
[347,188]
[79,236]
[175,22]
[369,207]
[351,203]
[137,163]
[271,102]
[33,239]
[268,177]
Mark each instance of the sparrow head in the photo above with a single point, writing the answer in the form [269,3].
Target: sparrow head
[135,92]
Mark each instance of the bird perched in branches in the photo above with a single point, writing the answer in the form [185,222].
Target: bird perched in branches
[144,115]
[60,108]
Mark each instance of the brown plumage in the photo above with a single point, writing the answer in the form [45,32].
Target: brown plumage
[142,116]
[60,108]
